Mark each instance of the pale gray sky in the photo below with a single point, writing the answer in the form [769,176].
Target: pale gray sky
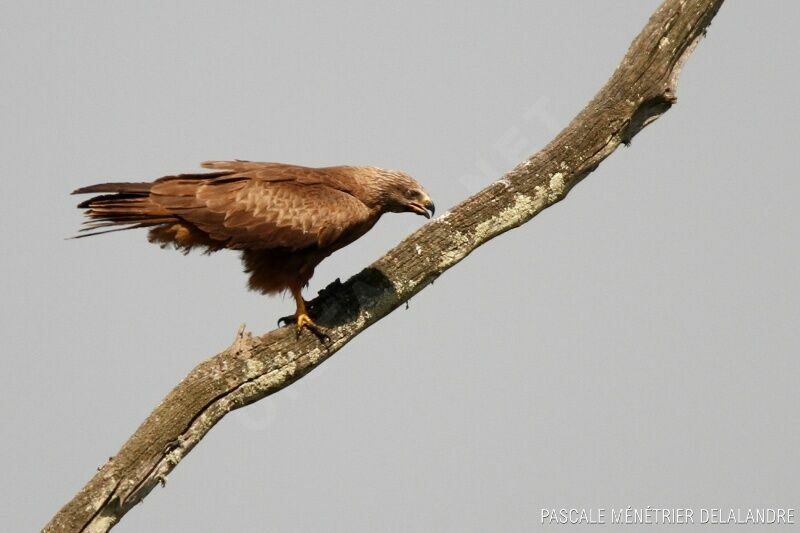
[637,344]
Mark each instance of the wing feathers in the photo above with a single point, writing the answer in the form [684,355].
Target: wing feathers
[246,205]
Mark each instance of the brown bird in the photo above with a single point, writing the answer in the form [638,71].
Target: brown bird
[285,219]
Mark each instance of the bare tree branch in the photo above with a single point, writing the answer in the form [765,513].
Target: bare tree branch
[640,90]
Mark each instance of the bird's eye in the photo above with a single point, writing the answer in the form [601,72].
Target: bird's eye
[410,193]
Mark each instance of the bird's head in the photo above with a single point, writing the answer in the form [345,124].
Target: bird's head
[399,193]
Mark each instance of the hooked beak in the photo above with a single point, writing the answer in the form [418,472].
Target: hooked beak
[425,207]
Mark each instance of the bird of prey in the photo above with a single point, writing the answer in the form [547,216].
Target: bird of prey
[285,219]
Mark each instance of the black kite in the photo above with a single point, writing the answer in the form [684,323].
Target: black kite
[284,218]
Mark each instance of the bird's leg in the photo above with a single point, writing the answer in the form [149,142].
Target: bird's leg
[301,315]
[302,320]
[300,312]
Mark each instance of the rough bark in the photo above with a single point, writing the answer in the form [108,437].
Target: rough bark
[640,90]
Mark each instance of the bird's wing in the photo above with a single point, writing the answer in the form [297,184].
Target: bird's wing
[259,208]
[262,171]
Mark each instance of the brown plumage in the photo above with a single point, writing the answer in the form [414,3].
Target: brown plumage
[285,219]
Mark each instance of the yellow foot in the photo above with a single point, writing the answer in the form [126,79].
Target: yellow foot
[304,320]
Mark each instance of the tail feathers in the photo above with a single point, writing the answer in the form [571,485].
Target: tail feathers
[110,199]
[130,207]
[107,230]
[141,188]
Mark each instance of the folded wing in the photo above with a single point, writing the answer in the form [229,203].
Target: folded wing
[249,213]
[243,205]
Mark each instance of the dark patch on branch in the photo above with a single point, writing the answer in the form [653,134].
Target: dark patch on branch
[342,303]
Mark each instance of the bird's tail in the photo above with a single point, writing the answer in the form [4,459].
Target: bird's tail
[122,206]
